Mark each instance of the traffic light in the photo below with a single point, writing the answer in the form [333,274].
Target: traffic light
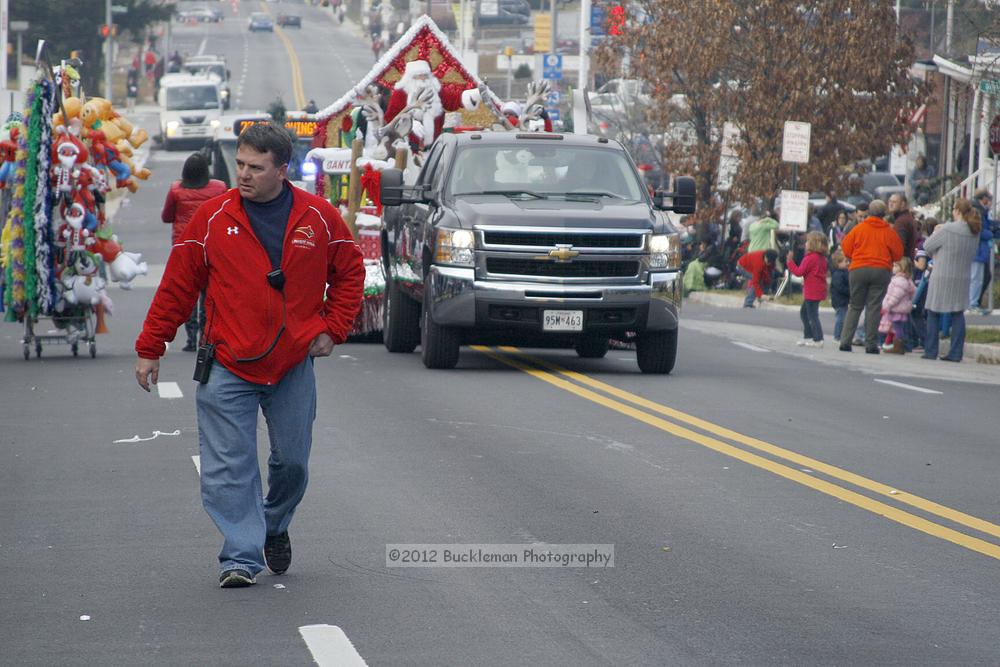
[616,20]
[105,30]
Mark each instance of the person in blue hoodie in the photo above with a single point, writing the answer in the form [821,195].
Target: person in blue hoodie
[980,270]
[840,290]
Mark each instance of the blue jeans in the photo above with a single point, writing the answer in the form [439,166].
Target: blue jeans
[751,294]
[230,474]
[838,321]
[811,327]
[957,335]
[976,285]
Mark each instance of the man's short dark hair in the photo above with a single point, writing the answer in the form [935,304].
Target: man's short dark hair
[268,138]
[771,256]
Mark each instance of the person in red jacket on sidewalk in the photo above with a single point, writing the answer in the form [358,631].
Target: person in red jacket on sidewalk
[283,281]
[758,268]
[872,246]
[183,199]
[813,273]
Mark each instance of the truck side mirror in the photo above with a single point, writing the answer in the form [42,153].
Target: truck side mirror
[391,187]
[682,199]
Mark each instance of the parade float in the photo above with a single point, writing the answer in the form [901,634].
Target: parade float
[418,89]
[63,157]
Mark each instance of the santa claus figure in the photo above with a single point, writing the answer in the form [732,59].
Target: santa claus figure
[418,87]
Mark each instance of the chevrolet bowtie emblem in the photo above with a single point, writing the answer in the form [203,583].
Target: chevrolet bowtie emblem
[563,253]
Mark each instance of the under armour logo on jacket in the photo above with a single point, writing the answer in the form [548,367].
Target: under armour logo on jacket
[232,230]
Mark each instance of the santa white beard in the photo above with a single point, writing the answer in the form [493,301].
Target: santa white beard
[413,88]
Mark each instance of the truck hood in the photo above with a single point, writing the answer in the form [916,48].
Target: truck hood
[558,213]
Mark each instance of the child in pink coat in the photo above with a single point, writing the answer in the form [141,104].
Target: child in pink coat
[813,273]
[896,306]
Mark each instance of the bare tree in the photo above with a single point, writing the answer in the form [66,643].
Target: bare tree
[838,64]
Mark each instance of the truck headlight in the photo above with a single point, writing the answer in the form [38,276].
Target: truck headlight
[172,126]
[664,251]
[455,246]
[214,123]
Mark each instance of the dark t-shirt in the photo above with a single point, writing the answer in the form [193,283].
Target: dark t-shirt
[269,220]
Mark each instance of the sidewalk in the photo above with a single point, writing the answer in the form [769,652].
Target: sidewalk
[974,352]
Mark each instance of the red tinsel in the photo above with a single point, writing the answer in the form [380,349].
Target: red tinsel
[371,182]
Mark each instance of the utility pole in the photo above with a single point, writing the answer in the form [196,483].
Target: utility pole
[555,29]
[584,45]
[108,50]
[948,27]
[3,40]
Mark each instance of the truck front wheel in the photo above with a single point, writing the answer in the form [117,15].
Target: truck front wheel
[400,320]
[438,345]
[656,351]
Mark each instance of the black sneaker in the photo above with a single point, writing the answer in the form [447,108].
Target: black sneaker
[236,578]
[190,347]
[278,552]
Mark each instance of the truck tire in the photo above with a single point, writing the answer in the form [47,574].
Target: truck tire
[656,351]
[591,347]
[438,345]
[400,320]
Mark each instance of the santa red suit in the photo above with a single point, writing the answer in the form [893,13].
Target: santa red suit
[448,97]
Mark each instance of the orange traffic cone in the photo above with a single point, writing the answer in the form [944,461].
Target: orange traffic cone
[102,327]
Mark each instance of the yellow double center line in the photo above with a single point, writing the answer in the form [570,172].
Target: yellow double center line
[297,90]
[557,377]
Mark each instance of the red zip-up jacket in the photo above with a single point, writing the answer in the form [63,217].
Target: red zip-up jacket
[812,270]
[219,253]
[759,270]
[181,203]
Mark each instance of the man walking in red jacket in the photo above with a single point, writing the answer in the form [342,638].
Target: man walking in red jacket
[266,254]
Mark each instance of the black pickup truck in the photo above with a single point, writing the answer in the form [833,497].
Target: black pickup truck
[531,238]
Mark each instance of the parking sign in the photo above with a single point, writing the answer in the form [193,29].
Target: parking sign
[552,66]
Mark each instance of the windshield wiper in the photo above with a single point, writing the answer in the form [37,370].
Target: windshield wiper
[507,193]
[593,193]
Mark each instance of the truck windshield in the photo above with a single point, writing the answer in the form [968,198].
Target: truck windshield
[550,171]
[192,97]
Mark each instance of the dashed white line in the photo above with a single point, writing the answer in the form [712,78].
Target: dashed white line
[197,464]
[911,387]
[169,390]
[330,646]
[748,346]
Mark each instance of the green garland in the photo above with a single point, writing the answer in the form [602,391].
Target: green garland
[34,123]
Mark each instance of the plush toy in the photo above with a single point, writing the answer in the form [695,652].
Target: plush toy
[73,106]
[83,289]
[77,233]
[8,152]
[107,155]
[68,155]
[99,114]
[122,266]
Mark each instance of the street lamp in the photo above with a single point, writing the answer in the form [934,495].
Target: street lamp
[18,28]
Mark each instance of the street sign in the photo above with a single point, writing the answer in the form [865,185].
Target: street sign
[119,9]
[543,33]
[990,86]
[729,162]
[598,19]
[18,26]
[995,135]
[552,99]
[795,142]
[552,66]
[489,7]
[794,213]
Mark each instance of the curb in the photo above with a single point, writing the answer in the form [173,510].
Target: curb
[982,353]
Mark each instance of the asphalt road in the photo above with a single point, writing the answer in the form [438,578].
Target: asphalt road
[766,505]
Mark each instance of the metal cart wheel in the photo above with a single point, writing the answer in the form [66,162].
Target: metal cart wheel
[93,350]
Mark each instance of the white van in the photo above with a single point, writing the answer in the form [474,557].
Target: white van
[190,107]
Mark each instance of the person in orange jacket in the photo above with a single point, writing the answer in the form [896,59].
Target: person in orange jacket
[872,246]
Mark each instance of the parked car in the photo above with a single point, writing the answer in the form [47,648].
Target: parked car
[261,21]
[217,13]
[531,239]
[290,20]
[503,17]
[883,185]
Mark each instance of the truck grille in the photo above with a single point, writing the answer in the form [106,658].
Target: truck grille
[551,239]
[546,269]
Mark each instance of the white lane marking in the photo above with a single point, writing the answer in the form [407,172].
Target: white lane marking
[169,390]
[748,346]
[156,434]
[911,387]
[201,47]
[330,646]
[197,464]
